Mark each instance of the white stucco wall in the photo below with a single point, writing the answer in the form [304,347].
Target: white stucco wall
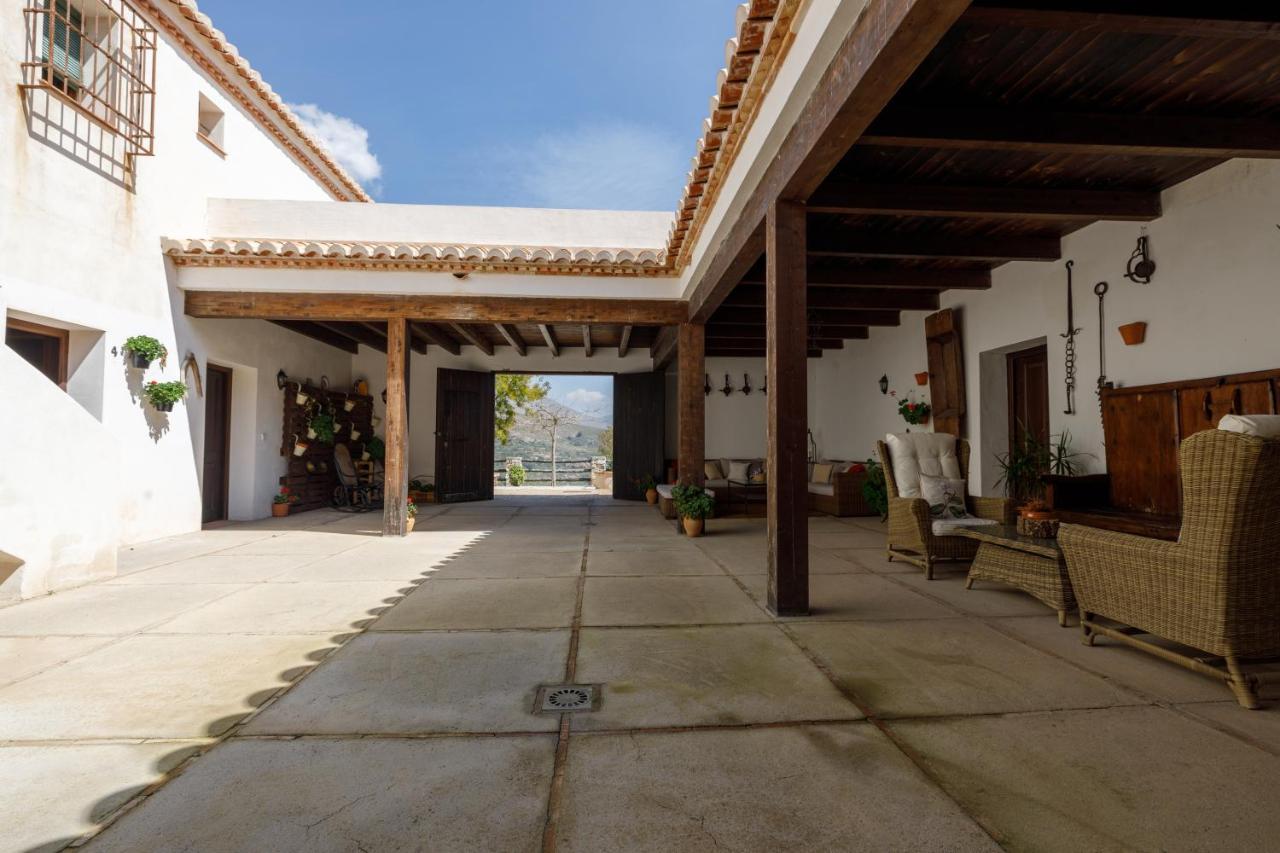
[79,249]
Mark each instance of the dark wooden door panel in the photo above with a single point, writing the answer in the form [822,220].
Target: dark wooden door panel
[464,435]
[217,444]
[1142,451]
[1202,408]
[946,371]
[639,430]
[1028,395]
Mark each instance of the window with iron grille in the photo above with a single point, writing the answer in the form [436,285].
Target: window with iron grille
[99,56]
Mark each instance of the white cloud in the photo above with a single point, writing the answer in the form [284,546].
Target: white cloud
[618,166]
[582,398]
[347,141]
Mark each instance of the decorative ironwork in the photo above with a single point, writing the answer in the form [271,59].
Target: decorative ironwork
[728,386]
[746,384]
[1070,335]
[1140,268]
[706,385]
[99,57]
[1100,290]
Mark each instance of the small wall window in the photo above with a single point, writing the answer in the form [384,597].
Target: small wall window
[209,125]
[43,347]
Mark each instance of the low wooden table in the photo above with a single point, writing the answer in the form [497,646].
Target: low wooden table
[747,488]
[1035,566]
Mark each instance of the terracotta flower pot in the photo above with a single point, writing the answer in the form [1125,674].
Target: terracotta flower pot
[922,378]
[693,527]
[1133,333]
[651,496]
[279,510]
[408,525]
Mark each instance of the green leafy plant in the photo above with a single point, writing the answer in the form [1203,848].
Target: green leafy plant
[411,509]
[146,348]
[1022,469]
[913,412]
[692,501]
[322,423]
[644,482]
[163,395]
[874,489]
[424,486]
[283,497]
[516,475]
[513,393]
[377,449]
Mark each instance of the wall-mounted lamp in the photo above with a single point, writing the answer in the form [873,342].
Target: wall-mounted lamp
[884,384]
[282,379]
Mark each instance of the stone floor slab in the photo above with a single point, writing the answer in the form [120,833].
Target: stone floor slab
[795,788]
[703,676]
[666,601]
[280,608]
[420,683]
[1113,779]
[481,604]
[987,598]
[217,568]
[107,609]
[536,564]
[338,796]
[865,596]
[651,563]
[22,657]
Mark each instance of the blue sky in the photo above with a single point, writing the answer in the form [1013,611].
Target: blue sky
[592,395]
[575,103]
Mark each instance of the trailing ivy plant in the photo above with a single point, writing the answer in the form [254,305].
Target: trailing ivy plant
[146,348]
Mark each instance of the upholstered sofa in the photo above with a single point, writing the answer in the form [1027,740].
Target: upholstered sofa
[719,472]
[835,487]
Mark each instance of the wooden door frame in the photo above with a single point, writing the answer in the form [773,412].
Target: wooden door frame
[210,368]
[63,336]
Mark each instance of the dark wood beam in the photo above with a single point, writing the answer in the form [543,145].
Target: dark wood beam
[588,349]
[720,331]
[691,402]
[624,341]
[816,317]
[663,346]
[996,249]
[439,337]
[1068,205]
[472,336]
[417,341]
[549,336]
[752,352]
[446,308]
[396,461]
[1077,133]
[1231,19]
[887,43]
[786,455]
[845,298]
[319,333]
[910,278]
[757,341]
[360,333]
[512,335]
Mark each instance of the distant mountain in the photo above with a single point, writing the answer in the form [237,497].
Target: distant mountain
[576,441]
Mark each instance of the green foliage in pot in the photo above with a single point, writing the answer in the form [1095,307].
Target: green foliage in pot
[411,509]
[322,424]
[424,486]
[693,501]
[1022,469]
[644,482]
[164,394]
[146,348]
[516,475]
[377,450]
[874,489]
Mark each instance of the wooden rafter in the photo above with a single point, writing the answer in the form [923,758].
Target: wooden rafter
[752,316]
[624,341]
[1222,20]
[549,335]
[969,247]
[319,333]
[910,278]
[721,331]
[472,336]
[512,335]
[439,337]
[1077,133]
[359,333]
[749,352]
[1070,205]
[588,349]
[663,346]
[846,298]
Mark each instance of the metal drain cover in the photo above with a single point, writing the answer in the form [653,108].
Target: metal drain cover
[558,698]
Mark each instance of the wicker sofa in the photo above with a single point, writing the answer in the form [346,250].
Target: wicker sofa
[911,535]
[841,495]
[1217,589]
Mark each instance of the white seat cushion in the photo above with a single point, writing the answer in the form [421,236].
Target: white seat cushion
[1263,426]
[822,489]
[664,491]
[916,453]
[944,526]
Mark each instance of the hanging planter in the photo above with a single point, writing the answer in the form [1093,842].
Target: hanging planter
[1133,333]
[355,433]
[144,349]
[162,395]
[364,456]
[301,397]
[322,428]
[914,413]
[922,378]
[348,405]
[300,446]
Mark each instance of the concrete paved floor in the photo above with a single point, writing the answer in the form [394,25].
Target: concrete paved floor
[303,685]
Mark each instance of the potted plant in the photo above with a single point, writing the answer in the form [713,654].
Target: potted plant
[913,412]
[355,433]
[162,395]
[280,503]
[300,445]
[376,449]
[874,489]
[322,425]
[301,397]
[348,404]
[1022,469]
[516,475]
[411,513]
[422,491]
[647,485]
[693,505]
[144,349]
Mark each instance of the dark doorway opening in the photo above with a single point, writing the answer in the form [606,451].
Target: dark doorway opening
[464,435]
[43,347]
[1028,372]
[217,444]
[639,423]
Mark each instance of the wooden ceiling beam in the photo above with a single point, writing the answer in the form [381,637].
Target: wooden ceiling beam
[664,346]
[472,336]
[624,341]
[549,336]
[1076,133]
[1221,20]
[997,249]
[417,341]
[845,298]
[1064,205]
[439,337]
[909,278]
[588,349]
[319,333]
[512,335]
[432,307]
[817,317]
[735,342]
[752,332]
[360,333]
[748,352]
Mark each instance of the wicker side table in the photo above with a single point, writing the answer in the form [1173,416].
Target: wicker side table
[1035,566]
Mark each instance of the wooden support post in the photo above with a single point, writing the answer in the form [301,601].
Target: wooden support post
[691,349]
[787,415]
[396,464]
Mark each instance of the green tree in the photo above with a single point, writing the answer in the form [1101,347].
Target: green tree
[513,392]
[604,443]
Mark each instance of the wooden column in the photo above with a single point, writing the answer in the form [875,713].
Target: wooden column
[786,330]
[692,406]
[396,466]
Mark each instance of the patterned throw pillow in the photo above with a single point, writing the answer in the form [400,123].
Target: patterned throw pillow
[711,470]
[944,496]
[821,473]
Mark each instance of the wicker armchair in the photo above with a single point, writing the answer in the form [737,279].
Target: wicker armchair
[1217,589]
[911,529]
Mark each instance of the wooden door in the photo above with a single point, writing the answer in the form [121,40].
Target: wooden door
[1141,430]
[464,435]
[1028,371]
[217,444]
[639,431]
[946,371]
